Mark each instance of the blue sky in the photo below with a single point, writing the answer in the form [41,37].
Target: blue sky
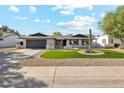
[48,18]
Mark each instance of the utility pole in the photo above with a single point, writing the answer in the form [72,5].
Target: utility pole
[90,38]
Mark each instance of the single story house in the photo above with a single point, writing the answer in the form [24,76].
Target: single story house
[9,40]
[105,39]
[39,40]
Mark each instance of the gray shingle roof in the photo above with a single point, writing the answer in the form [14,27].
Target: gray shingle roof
[42,36]
[38,34]
[80,35]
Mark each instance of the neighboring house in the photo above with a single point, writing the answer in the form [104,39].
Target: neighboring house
[55,42]
[105,39]
[9,40]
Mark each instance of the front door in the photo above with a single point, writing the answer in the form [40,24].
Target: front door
[64,42]
[58,44]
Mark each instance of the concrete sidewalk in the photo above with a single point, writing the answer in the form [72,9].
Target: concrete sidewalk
[77,76]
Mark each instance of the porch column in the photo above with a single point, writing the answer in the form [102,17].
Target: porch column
[68,42]
[80,42]
[24,43]
[50,44]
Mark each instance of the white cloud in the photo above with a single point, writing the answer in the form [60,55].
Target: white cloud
[20,17]
[102,14]
[33,9]
[69,10]
[66,12]
[48,21]
[93,14]
[14,8]
[37,20]
[78,23]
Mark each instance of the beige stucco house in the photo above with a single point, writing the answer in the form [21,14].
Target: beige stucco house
[42,41]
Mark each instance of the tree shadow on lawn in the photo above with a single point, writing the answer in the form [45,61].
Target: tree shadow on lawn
[10,76]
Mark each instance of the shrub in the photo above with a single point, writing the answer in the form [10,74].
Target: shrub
[89,51]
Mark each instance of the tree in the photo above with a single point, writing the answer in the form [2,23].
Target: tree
[17,33]
[11,30]
[57,34]
[5,28]
[113,23]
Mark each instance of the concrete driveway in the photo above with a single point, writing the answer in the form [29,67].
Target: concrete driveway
[8,58]
[29,52]
[25,53]
[20,54]
[10,76]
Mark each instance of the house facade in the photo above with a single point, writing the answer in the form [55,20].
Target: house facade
[55,42]
[9,40]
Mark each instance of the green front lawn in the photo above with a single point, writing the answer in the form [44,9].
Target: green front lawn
[59,54]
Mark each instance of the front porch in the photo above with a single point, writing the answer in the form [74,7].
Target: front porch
[71,43]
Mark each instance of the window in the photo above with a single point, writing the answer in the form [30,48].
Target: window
[71,42]
[75,42]
[111,40]
[104,41]
[83,42]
